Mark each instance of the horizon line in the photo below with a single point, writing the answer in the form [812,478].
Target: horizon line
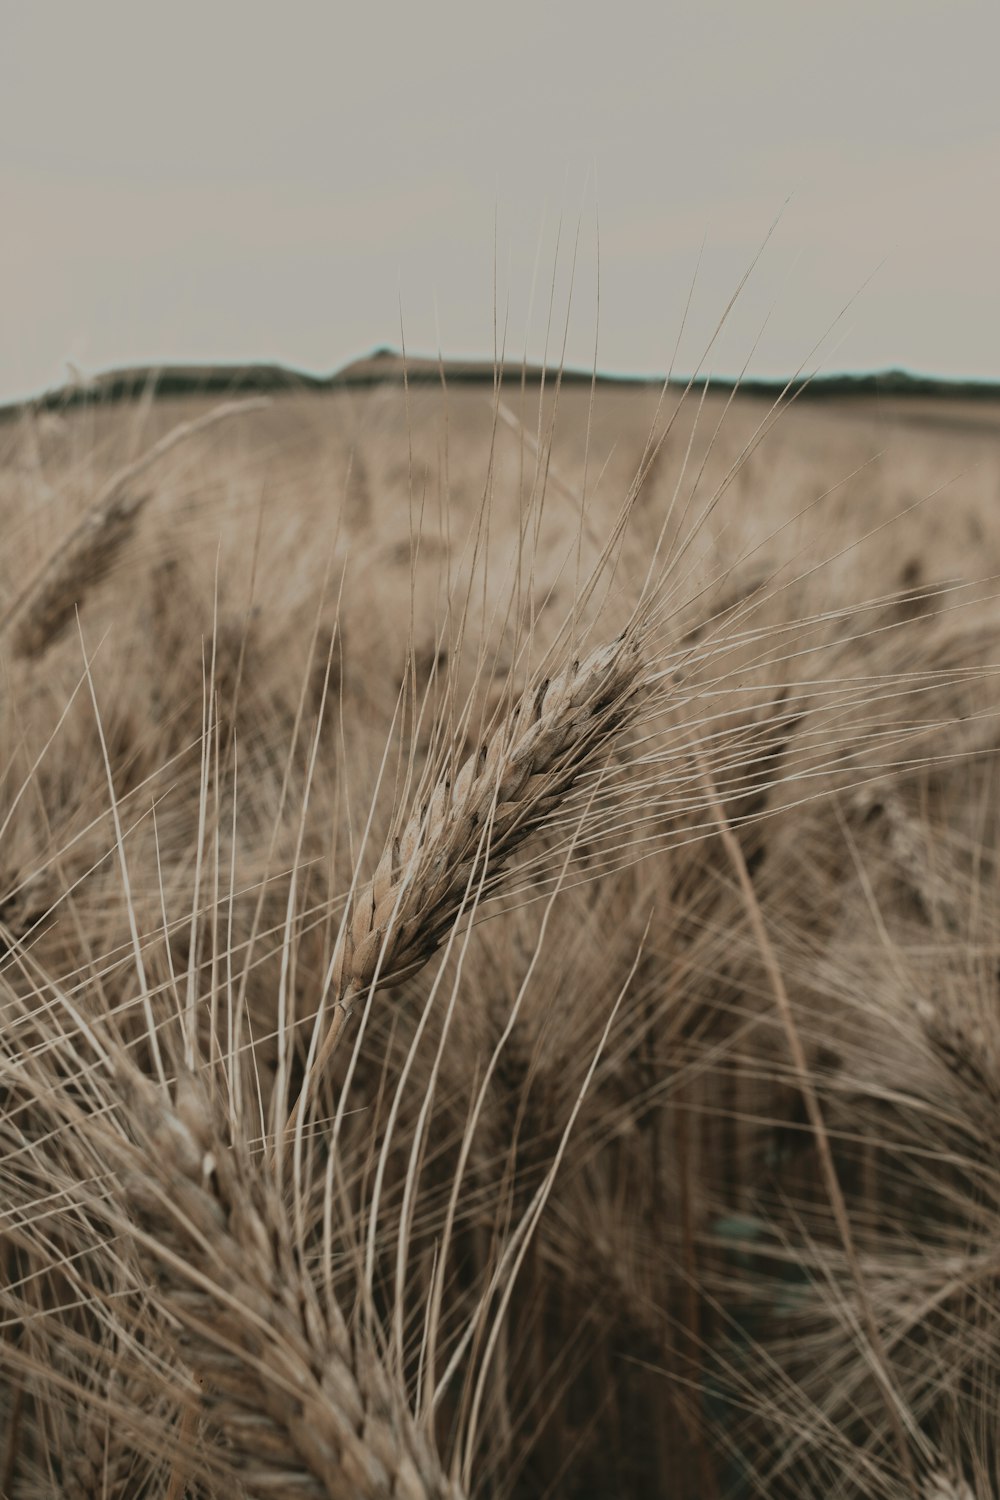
[385,364]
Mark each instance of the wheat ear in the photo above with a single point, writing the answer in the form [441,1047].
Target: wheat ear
[307,1409]
[98,1464]
[45,606]
[461,839]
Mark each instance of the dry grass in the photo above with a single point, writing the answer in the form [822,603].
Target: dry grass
[498,949]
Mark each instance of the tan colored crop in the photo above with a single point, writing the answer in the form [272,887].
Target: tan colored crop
[432,868]
[44,607]
[98,1464]
[307,1407]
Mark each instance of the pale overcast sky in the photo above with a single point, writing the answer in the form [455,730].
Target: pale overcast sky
[212,181]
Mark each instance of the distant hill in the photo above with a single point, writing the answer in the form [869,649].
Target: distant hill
[388,367]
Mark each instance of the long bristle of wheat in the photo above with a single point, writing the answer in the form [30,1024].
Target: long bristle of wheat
[307,1410]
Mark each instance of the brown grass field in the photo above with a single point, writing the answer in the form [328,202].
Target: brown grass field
[499,947]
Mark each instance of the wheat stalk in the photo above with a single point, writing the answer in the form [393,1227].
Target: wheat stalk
[455,847]
[307,1409]
[45,606]
[98,1466]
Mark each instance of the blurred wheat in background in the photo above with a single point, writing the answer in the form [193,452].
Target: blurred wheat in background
[499,946]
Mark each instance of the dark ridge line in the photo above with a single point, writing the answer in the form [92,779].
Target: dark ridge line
[386,367]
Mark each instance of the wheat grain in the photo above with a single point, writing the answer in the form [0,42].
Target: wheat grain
[307,1408]
[471,825]
[45,606]
[98,1466]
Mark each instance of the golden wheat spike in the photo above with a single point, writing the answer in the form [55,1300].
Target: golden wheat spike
[308,1409]
[46,604]
[471,826]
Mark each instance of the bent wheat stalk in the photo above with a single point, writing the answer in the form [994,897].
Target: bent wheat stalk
[464,835]
[44,607]
[308,1409]
[899,1418]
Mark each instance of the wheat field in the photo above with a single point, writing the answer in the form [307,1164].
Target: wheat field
[499,947]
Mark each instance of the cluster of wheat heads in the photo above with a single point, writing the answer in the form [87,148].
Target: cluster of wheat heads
[495,999]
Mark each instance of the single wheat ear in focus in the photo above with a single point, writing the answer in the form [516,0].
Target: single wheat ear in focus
[47,603]
[456,847]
